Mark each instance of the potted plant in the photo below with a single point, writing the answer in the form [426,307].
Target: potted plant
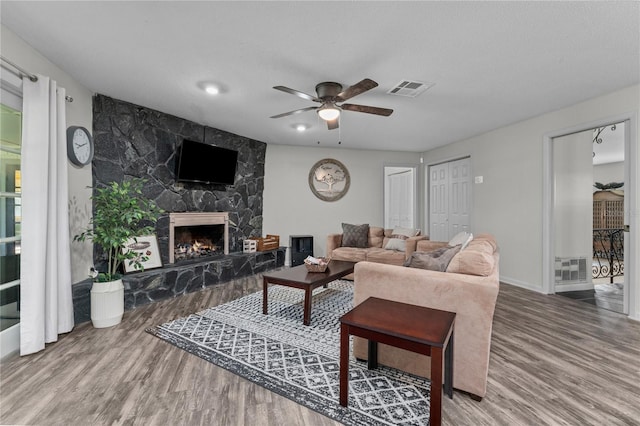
[120,214]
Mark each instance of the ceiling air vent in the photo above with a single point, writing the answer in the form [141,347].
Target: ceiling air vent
[410,88]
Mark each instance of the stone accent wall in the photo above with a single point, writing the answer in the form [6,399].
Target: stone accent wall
[134,141]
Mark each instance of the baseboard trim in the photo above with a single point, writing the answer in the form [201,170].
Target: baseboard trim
[561,288]
[522,284]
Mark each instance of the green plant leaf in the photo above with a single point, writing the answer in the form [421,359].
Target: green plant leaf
[120,213]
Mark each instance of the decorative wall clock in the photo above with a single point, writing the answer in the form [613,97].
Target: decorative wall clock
[79,145]
[329,179]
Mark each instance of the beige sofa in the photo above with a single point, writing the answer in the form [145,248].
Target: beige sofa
[378,239]
[469,287]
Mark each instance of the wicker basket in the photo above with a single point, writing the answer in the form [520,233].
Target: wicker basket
[317,268]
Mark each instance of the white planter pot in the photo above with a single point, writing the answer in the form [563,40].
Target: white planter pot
[107,303]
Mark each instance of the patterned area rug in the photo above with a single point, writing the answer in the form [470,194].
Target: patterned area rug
[300,362]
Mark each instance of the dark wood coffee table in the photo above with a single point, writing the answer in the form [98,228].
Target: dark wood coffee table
[299,277]
[414,328]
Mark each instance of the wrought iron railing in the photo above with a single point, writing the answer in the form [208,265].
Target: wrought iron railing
[608,253]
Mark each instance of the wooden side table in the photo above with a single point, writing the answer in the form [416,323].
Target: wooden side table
[414,328]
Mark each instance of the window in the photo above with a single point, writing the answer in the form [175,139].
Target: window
[10,211]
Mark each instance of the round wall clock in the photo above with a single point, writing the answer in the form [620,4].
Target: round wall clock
[79,145]
[329,179]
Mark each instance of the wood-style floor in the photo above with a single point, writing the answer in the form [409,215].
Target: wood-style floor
[554,361]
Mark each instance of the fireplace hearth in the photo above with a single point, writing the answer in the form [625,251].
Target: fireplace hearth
[198,235]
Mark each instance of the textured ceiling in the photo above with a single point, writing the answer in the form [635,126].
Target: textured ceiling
[493,64]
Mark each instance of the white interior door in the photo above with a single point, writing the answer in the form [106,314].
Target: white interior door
[459,196]
[400,197]
[439,202]
[449,199]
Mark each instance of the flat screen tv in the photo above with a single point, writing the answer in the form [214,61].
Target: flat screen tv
[203,163]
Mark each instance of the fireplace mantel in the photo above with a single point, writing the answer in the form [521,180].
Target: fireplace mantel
[194,219]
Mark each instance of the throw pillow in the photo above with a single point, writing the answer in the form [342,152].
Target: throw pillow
[407,232]
[463,239]
[436,260]
[396,244]
[355,235]
[398,237]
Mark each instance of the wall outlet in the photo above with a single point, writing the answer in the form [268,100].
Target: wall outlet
[479,179]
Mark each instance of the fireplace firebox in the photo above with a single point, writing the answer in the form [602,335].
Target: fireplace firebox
[198,235]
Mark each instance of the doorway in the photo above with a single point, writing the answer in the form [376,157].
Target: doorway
[588,191]
[589,212]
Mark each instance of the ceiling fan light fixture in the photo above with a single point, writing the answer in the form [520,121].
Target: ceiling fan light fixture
[328,112]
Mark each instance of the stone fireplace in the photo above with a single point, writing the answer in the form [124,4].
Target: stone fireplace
[197,235]
[135,141]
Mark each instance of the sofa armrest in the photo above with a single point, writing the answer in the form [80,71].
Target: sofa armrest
[428,245]
[411,244]
[333,242]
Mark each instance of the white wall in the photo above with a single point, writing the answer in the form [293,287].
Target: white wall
[290,208]
[509,202]
[79,113]
[608,173]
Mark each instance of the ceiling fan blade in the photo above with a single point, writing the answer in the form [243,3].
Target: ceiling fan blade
[297,93]
[333,124]
[356,89]
[368,109]
[298,111]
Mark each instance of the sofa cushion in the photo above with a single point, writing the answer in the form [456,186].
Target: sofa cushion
[390,257]
[436,260]
[477,259]
[355,235]
[489,239]
[376,236]
[351,254]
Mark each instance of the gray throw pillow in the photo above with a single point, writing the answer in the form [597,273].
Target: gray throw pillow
[355,235]
[436,260]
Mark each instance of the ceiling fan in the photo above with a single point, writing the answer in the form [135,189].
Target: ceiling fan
[329,95]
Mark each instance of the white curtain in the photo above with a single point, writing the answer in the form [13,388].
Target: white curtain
[46,304]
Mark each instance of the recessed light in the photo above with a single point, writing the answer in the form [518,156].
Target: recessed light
[212,87]
[212,90]
[301,127]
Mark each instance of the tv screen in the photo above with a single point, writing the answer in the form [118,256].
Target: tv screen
[199,162]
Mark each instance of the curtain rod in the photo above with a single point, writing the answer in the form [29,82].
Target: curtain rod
[23,73]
